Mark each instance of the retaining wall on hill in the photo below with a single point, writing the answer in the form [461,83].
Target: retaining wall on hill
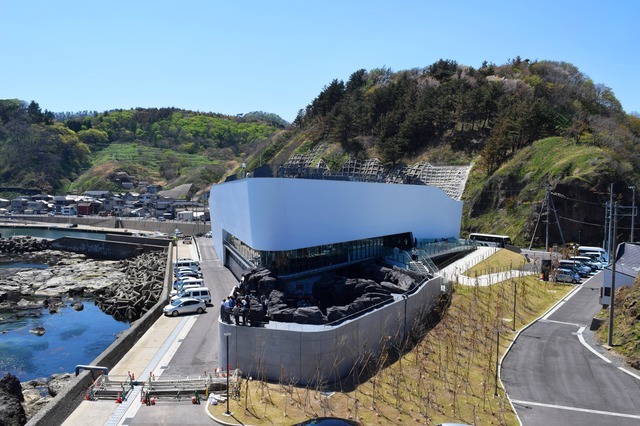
[324,353]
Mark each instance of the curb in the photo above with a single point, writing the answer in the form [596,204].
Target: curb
[217,420]
[513,341]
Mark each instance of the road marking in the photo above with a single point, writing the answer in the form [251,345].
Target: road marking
[584,343]
[583,410]
[559,322]
[629,372]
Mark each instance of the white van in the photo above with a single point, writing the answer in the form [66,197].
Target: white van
[604,256]
[200,293]
[178,284]
[188,263]
[184,287]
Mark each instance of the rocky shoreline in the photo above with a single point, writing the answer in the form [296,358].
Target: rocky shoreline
[124,289]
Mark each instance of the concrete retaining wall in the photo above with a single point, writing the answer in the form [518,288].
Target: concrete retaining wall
[113,250]
[145,241]
[56,411]
[323,353]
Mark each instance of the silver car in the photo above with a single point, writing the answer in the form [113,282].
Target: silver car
[567,276]
[185,306]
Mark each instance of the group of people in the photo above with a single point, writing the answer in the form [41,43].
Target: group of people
[236,307]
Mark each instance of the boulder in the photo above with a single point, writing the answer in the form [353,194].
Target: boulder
[309,315]
[390,287]
[276,298]
[266,285]
[10,384]
[336,313]
[11,398]
[283,315]
[38,330]
[256,312]
[11,411]
[59,382]
[78,306]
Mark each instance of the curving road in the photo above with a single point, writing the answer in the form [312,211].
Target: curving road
[553,378]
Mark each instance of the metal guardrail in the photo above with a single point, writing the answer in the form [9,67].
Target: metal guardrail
[114,387]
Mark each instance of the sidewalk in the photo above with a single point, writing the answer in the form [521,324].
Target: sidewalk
[146,356]
[455,271]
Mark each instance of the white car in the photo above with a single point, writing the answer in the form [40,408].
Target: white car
[185,306]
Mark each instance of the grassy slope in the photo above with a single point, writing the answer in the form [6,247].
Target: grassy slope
[447,376]
[626,325]
[141,161]
[507,260]
[522,182]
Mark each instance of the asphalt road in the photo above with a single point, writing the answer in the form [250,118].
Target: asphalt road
[553,379]
[198,351]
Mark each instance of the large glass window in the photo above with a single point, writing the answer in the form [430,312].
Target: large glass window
[317,257]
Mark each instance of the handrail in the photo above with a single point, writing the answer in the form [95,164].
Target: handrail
[91,367]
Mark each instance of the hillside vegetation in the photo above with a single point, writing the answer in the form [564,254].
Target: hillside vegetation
[527,126]
[626,325]
[84,151]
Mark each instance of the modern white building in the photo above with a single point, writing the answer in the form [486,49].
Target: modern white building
[271,221]
[298,227]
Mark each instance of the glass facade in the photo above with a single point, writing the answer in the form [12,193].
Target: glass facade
[319,257]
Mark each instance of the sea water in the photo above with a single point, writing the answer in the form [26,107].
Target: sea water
[71,338]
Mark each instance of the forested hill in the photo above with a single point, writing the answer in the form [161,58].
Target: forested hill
[56,152]
[493,110]
[506,119]
[527,126]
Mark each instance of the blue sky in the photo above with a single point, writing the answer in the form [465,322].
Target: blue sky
[234,57]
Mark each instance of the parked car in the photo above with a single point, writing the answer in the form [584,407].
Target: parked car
[189,292]
[567,276]
[184,306]
[188,274]
[576,266]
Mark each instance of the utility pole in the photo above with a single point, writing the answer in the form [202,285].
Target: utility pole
[609,248]
[546,244]
[613,279]
[633,211]
[547,204]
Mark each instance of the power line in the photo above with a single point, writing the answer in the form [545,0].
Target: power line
[564,197]
[568,219]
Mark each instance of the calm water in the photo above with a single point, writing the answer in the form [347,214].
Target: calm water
[71,338]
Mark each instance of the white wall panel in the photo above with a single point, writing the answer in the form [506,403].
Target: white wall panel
[286,214]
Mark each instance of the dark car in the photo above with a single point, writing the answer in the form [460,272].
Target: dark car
[329,421]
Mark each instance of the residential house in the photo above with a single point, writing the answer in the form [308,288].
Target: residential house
[98,195]
[38,206]
[154,188]
[70,210]
[19,204]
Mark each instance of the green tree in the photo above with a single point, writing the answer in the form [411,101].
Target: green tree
[94,137]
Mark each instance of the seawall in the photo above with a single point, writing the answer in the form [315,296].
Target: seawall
[60,407]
